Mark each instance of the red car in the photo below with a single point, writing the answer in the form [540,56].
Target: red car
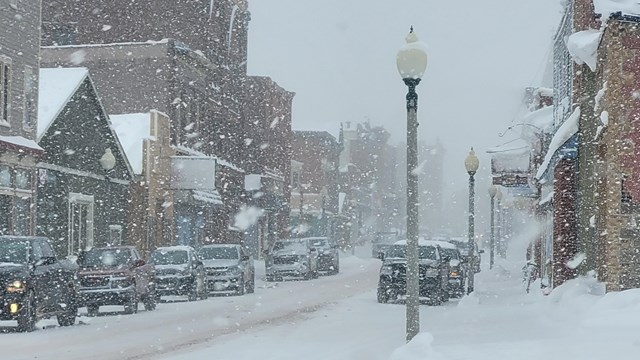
[115,275]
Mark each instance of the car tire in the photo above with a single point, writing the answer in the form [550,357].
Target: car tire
[93,310]
[241,287]
[69,317]
[383,295]
[205,291]
[150,301]
[27,317]
[131,307]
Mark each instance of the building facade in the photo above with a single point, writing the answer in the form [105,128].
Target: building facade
[19,153]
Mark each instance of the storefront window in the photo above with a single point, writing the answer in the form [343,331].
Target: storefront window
[23,216]
[23,179]
[5,176]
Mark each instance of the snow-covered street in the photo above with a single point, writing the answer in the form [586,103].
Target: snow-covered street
[337,317]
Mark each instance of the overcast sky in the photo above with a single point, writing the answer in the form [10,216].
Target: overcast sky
[339,58]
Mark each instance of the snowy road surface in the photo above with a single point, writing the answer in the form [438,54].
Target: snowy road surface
[338,318]
[176,326]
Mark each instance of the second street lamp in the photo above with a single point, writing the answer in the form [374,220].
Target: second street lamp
[471,163]
[493,190]
[412,62]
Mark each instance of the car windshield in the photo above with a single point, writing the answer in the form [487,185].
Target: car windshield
[105,258]
[170,257]
[400,252]
[218,252]
[14,252]
[320,243]
[451,253]
[290,245]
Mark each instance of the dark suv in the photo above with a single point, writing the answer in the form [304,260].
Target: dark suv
[457,271]
[434,272]
[115,275]
[35,284]
[328,254]
[179,271]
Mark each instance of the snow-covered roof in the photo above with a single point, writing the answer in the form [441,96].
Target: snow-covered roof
[568,128]
[132,130]
[421,241]
[56,87]
[21,142]
[608,7]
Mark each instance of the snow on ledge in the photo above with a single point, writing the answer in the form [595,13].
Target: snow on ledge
[583,47]
[564,133]
[608,7]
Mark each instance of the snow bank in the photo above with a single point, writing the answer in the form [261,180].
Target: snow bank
[471,300]
[417,349]
[583,47]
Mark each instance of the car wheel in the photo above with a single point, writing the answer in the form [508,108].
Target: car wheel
[150,301]
[205,291]
[251,286]
[69,317]
[383,295]
[193,294]
[27,317]
[241,286]
[93,310]
[131,307]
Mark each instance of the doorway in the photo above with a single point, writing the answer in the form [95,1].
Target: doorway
[80,223]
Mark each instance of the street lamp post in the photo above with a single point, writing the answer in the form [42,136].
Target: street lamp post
[471,163]
[493,190]
[411,61]
[499,232]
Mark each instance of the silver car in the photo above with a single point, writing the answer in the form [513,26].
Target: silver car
[228,268]
[292,258]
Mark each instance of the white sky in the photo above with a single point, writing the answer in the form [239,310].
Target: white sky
[339,58]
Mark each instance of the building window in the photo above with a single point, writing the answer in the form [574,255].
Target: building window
[5,176]
[23,179]
[5,90]
[29,98]
[115,234]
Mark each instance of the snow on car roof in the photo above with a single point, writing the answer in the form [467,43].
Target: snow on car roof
[175,248]
[444,244]
[220,245]
[421,241]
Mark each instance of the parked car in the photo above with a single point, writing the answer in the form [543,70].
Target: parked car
[228,268]
[292,258]
[381,241]
[179,271]
[434,272]
[463,246]
[115,275]
[35,284]
[328,254]
[456,269]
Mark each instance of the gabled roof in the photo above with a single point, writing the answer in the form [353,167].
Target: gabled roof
[132,130]
[56,87]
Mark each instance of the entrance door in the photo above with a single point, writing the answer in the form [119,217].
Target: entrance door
[80,223]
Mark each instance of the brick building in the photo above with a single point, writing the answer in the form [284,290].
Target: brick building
[267,157]
[314,185]
[19,56]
